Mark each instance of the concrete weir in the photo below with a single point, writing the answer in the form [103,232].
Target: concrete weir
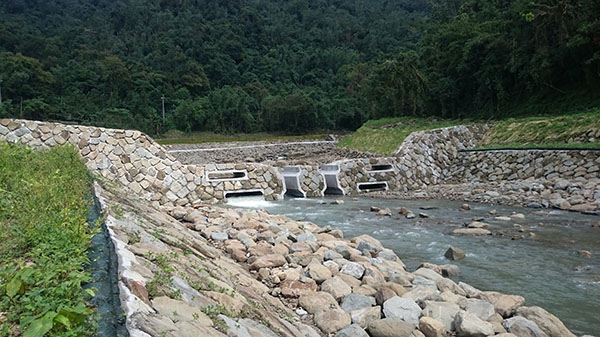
[291,180]
[332,182]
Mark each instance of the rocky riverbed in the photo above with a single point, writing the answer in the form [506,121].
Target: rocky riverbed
[217,271]
[579,195]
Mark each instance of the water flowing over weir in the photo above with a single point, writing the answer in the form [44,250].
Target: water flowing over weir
[544,268]
[104,270]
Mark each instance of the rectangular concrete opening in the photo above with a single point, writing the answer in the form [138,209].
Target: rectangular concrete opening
[235,194]
[227,175]
[373,186]
[381,168]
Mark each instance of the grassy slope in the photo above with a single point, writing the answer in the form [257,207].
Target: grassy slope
[44,200]
[383,136]
[555,131]
[176,137]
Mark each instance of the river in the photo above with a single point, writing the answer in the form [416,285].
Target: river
[545,267]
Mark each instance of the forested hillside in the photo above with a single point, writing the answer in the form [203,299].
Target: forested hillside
[292,66]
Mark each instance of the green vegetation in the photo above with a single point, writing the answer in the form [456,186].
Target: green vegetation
[44,201]
[574,130]
[223,66]
[577,130]
[294,66]
[383,136]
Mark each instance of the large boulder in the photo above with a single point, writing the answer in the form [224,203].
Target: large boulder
[332,320]
[352,331]
[402,308]
[468,325]
[428,274]
[353,269]
[523,327]
[336,287]
[431,327]
[268,261]
[480,308]
[390,327]
[443,312]
[294,288]
[454,253]
[314,302]
[547,322]
[355,301]
[365,316]
[505,305]
[319,272]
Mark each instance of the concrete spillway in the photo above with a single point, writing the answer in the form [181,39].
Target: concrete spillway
[332,182]
[291,179]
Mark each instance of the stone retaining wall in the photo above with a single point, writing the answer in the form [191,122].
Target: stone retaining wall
[141,165]
[490,166]
[424,159]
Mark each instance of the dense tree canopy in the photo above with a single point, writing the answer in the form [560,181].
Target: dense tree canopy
[291,66]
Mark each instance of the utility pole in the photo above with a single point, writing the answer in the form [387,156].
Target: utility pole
[163,107]
[0,91]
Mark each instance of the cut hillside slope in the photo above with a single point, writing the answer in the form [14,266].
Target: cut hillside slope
[579,130]
[384,136]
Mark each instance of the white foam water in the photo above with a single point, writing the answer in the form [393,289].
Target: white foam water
[253,201]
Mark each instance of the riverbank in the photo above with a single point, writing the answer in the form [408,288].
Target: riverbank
[577,195]
[245,271]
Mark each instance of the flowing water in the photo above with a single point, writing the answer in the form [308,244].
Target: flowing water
[546,269]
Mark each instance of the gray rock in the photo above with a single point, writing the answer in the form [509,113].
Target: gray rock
[402,308]
[332,255]
[255,328]
[480,308]
[454,253]
[547,322]
[356,302]
[219,236]
[468,325]
[306,237]
[234,327]
[363,317]
[353,330]
[523,327]
[444,312]
[353,269]
[368,246]
[332,320]
[391,327]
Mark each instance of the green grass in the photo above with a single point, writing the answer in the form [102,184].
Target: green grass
[384,136]
[177,137]
[565,131]
[44,201]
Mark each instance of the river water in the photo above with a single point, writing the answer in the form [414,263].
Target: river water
[545,268]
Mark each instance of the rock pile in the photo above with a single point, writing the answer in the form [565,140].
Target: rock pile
[357,287]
